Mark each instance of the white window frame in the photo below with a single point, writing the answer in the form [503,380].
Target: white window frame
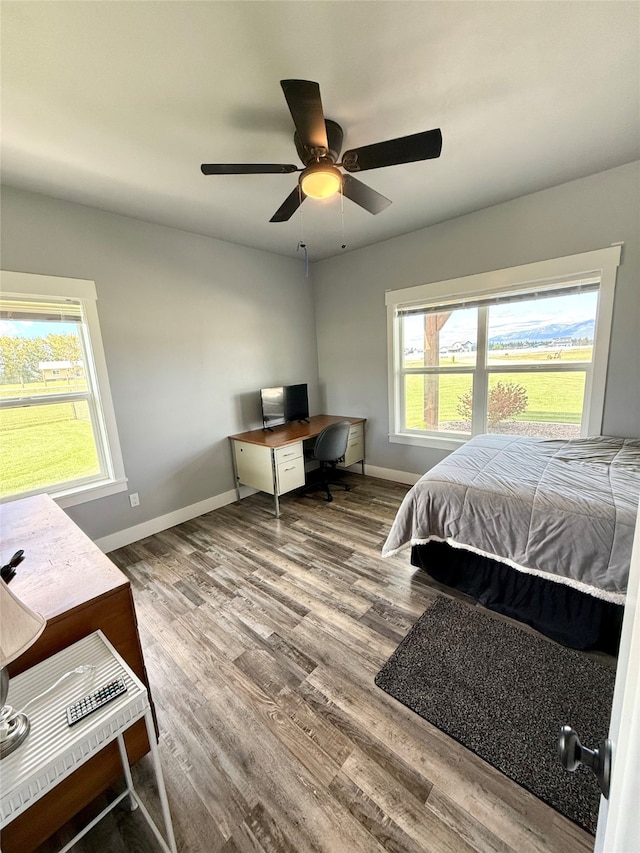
[540,275]
[31,285]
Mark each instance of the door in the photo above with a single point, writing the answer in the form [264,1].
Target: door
[618,824]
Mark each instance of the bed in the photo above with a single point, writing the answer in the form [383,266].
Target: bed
[540,530]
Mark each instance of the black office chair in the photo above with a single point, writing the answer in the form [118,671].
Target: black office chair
[329,449]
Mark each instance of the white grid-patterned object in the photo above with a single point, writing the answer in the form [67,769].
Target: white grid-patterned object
[53,749]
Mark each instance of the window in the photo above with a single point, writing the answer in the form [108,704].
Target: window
[522,350]
[57,425]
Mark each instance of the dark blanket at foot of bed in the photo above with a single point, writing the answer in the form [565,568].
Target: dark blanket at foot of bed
[565,614]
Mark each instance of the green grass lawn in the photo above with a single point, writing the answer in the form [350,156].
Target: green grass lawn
[514,356]
[62,386]
[43,445]
[553,397]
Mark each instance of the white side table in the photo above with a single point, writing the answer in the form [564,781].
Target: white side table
[53,749]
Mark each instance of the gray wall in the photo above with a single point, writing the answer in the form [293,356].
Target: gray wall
[576,217]
[192,328]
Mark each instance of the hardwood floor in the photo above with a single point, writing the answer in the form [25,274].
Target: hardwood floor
[262,638]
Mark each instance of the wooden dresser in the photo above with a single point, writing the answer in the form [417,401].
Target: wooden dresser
[66,578]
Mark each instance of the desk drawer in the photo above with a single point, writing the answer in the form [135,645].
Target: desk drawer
[355,446]
[356,431]
[288,452]
[290,475]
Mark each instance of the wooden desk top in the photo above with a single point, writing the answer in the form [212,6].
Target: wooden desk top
[292,432]
[62,568]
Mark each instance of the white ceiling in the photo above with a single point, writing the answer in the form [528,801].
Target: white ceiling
[116,105]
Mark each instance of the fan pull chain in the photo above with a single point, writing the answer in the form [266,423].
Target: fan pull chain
[301,216]
[301,244]
[344,244]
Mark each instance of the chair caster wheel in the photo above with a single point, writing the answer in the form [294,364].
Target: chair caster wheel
[330,499]
[347,488]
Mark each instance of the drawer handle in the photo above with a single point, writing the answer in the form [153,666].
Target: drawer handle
[293,468]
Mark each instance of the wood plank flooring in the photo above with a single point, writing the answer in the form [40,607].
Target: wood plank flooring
[262,638]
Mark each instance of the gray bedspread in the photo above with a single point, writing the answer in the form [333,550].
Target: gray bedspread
[565,509]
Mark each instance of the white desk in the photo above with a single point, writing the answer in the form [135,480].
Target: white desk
[53,749]
[272,461]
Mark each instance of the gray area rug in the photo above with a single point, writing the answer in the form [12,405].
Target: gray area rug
[504,694]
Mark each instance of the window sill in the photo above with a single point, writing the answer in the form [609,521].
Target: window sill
[433,441]
[89,492]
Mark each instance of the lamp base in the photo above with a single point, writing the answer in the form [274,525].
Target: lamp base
[16,731]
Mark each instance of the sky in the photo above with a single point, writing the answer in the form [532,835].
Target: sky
[31,329]
[514,316]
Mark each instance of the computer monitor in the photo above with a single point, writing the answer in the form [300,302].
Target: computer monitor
[284,403]
[296,403]
[273,406]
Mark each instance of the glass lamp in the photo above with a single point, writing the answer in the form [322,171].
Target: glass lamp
[20,627]
[320,180]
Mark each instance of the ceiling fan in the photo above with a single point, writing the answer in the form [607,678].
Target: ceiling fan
[318,142]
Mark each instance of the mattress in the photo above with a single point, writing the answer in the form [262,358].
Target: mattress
[564,510]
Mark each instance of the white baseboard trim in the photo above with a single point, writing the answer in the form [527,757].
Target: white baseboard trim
[387,474]
[164,522]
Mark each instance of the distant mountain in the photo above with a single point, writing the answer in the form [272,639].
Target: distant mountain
[548,332]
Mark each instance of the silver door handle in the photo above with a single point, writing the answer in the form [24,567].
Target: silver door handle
[572,754]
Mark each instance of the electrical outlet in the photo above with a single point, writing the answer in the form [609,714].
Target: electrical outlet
[134,499]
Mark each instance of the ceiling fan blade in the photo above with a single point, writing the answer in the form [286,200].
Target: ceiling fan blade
[363,195]
[305,106]
[247,168]
[406,149]
[289,206]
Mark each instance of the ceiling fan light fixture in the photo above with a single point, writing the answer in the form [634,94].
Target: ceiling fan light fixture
[320,180]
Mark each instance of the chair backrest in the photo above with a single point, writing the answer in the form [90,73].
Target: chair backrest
[331,443]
